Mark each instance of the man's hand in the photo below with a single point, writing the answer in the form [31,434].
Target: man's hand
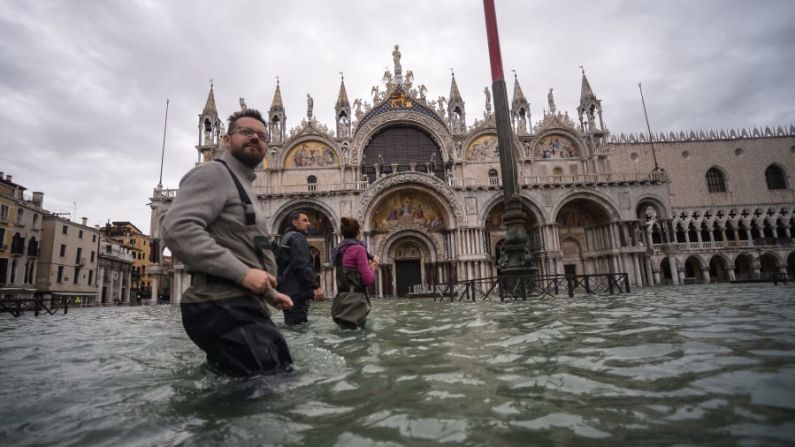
[281,301]
[318,294]
[258,281]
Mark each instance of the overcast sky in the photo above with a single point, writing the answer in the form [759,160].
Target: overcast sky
[83,84]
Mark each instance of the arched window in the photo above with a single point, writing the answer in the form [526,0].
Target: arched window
[775,178]
[557,171]
[494,177]
[311,182]
[715,180]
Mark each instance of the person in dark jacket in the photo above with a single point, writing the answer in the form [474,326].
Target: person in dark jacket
[297,276]
[214,228]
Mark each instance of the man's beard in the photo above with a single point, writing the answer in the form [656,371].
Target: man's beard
[247,158]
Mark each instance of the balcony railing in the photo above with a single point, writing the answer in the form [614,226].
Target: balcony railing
[563,180]
[720,245]
[311,188]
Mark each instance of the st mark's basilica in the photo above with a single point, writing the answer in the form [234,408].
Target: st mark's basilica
[424,181]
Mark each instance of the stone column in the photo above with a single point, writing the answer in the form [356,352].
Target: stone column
[674,272]
[638,274]
[100,281]
[732,276]
[129,286]
[705,274]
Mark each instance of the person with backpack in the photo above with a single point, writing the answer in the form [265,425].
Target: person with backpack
[297,276]
[213,227]
[355,270]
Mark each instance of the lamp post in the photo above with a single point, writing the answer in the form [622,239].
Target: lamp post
[517,270]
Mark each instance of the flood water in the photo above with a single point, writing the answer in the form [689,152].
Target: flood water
[693,365]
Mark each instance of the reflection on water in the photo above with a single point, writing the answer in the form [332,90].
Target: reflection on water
[708,365]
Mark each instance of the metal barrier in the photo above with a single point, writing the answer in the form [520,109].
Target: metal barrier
[40,302]
[508,287]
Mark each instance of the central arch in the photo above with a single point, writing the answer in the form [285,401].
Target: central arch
[409,259]
[401,148]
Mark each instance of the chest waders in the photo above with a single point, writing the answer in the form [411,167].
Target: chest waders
[237,332]
[351,305]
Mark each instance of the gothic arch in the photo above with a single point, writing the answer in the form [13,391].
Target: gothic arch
[437,131]
[606,204]
[484,131]
[430,245]
[303,139]
[569,134]
[655,202]
[537,216]
[428,183]
[307,203]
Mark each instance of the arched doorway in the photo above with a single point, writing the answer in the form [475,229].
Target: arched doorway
[572,257]
[406,226]
[588,223]
[693,270]
[768,265]
[402,148]
[744,267]
[665,271]
[718,270]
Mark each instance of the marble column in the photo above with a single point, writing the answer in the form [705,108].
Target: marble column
[673,270]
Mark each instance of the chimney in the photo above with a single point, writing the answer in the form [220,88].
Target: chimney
[38,199]
[9,177]
[85,220]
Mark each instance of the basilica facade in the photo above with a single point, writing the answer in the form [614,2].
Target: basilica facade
[425,183]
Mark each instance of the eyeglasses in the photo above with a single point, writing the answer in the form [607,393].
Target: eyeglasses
[246,132]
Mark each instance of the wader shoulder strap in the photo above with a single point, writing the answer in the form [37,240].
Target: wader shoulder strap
[248,207]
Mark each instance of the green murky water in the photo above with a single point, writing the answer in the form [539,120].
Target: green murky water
[696,365]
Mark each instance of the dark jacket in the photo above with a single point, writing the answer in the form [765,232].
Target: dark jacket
[297,276]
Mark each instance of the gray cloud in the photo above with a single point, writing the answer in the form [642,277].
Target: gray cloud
[83,83]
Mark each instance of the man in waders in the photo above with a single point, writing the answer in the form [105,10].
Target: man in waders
[215,229]
[297,276]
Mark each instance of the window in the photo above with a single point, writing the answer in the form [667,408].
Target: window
[65,230]
[493,177]
[77,257]
[715,181]
[90,277]
[63,250]
[3,213]
[93,238]
[93,254]
[2,239]
[132,241]
[77,275]
[775,178]
[80,234]
[311,182]
[60,273]
[20,214]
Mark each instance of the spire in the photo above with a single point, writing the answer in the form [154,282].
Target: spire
[455,95]
[210,128]
[276,104]
[342,111]
[520,108]
[277,124]
[589,110]
[518,95]
[209,106]
[456,113]
[587,93]
[342,98]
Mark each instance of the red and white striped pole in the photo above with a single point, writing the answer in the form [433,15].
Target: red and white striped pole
[516,264]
